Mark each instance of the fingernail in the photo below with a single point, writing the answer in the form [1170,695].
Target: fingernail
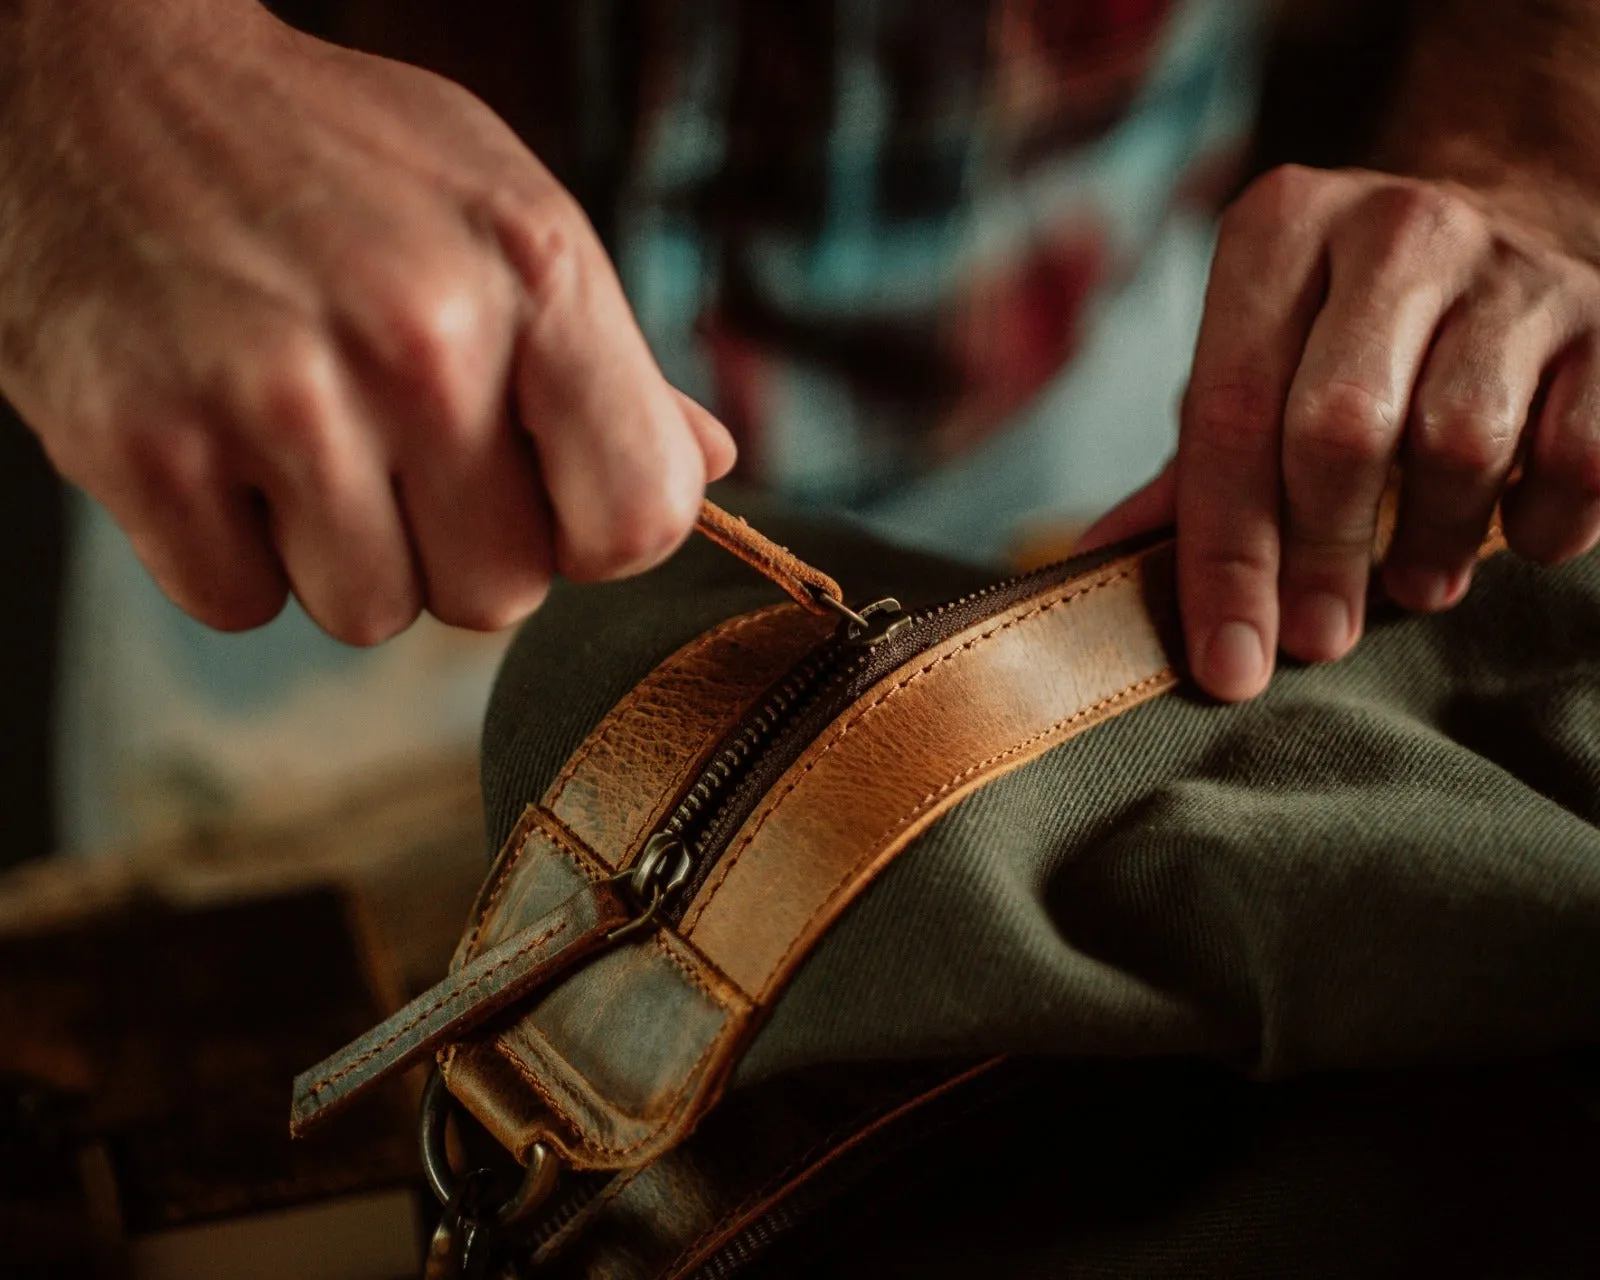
[1235,660]
[1318,626]
[1426,589]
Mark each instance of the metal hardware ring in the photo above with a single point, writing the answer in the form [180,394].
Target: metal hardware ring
[538,1181]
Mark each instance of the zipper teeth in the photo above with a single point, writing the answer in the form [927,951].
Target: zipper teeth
[700,813]
[697,811]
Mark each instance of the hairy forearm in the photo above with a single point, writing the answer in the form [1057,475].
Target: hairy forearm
[1504,95]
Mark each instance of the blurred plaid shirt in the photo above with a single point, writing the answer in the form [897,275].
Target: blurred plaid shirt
[882,226]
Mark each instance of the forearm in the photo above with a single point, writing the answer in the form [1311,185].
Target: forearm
[1504,96]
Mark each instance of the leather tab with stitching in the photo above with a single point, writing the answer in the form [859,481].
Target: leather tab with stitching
[449,1009]
[802,581]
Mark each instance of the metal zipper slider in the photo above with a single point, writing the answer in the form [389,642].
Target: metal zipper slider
[879,621]
[662,869]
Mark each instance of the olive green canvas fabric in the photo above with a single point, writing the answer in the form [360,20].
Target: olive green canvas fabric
[1392,860]
[1306,987]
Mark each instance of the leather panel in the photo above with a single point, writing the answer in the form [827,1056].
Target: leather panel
[677,1018]
[497,978]
[542,865]
[987,700]
[625,778]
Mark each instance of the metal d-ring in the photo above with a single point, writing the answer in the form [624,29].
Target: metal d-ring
[538,1180]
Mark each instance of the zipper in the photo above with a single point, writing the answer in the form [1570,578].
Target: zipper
[681,853]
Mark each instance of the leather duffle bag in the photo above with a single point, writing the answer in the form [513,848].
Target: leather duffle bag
[928,925]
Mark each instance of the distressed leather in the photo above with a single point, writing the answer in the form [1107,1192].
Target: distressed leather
[627,775]
[496,978]
[987,700]
[688,1001]
[549,1075]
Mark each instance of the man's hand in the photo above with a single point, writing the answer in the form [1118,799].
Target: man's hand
[1357,321]
[308,320]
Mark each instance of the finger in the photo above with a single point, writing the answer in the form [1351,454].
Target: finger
[715,440]
[1266,282]
[1149,508]
[1467,416]
[478,521]
[203,537]
[1396,265]
[624,470]
[433,349]
[1553,512]
[318,459]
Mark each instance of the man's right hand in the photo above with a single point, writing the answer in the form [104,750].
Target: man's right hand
[308,320]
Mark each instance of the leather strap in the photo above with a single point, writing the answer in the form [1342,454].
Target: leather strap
[989,699]
[452,1008]
[801,581]
[986,700]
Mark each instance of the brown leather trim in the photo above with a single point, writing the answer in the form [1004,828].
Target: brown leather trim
[631,768]
[986,701]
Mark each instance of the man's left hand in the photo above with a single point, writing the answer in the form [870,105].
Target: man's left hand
[1356,321]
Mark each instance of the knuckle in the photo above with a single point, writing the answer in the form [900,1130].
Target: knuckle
[1341,424]
[1276,197]
[640,531]
[644,531]
[1462,437]
[1234,413]
[1408,234]
[1228,567]
[292,394]
[550,243]
[175,462]
[495,612]
[439,336]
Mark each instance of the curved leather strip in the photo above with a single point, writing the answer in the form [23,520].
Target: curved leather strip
[987,700]
[631,768]
[453,1007]
[766,557]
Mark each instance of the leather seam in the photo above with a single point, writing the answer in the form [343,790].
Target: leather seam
[1080,714]
[617,714]
[838,1139]
[1078,593]
[532,944]
[670,1117]
[558,834]
[922,806]
[527,824]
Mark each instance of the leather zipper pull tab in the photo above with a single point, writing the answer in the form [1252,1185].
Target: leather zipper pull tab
[591,918]
[804,584]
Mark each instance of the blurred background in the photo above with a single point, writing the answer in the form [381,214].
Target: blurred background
[182,804]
